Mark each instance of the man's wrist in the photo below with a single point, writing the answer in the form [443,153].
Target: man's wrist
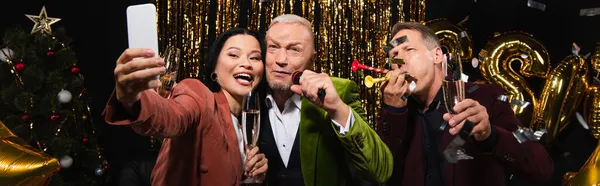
[489,143]
[340,114]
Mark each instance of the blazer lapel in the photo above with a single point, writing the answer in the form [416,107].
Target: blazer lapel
[310,118]
[228,129]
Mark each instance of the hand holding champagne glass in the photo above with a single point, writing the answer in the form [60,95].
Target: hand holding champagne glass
[453,88]
[169,78]
[251,126]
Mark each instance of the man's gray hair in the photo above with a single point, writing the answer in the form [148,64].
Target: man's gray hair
[428,35]
[293,19]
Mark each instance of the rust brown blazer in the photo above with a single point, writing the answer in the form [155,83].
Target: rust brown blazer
[200,146]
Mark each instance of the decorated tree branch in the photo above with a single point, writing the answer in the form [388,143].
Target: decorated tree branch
[43,101]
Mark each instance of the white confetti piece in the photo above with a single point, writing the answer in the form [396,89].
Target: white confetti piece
[589,12]
[475,62]
[536,5]
[464,77]
[412,86]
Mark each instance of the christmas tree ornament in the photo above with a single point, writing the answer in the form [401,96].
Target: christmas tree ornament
[99,171]
[64,96]
[66,162]
[19,66]
[54,117]
[5,54]
[84,117]
[42,22]
[75,70]
[39,60]
[21,164]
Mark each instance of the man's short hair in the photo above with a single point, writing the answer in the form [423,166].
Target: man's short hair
[291,19]
[428,35]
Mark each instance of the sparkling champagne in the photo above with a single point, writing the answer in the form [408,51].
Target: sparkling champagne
[167,80]
[454,93]
[251,126]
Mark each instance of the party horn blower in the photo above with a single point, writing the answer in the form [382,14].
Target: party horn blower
[369,81]
[356,66]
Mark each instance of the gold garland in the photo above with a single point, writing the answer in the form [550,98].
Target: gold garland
[347,30]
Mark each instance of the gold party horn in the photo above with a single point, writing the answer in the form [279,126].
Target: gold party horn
[392,60]
[369,81]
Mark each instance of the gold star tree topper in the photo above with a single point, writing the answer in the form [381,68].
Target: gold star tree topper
[42,22]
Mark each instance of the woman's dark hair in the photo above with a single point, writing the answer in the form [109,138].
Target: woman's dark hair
[215,50]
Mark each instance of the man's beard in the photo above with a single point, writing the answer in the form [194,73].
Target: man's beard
[279,86]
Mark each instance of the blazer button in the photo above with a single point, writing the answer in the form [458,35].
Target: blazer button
[203,169]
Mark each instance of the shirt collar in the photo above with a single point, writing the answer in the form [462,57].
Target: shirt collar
[437,103]
[296,100]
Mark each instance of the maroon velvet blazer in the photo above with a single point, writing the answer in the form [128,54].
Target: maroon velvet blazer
[528,161]
[200,146]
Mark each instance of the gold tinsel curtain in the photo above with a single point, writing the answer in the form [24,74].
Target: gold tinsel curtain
[345,30]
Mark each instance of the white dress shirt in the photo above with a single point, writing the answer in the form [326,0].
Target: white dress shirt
[240,136]
[285,124]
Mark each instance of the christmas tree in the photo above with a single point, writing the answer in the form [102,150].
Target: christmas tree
[44,102]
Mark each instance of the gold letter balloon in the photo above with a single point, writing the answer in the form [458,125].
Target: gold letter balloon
[453,38]
[562,93]
[589,174]
[591,106]
[495,66]
[20,164]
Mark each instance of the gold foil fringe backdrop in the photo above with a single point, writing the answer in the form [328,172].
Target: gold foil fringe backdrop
[345,30]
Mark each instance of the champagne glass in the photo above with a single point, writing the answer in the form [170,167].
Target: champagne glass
[169,78]
[453,88]
[251,126]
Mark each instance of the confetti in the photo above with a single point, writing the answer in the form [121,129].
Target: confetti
[589,12]
[582,121]
[520,103]
[412,86]
[503,98]
[463,34]
[475,62]
[464,20]
[483,53]
[575,49]
[587,55]
[399,41]
[464,77]
[536,5]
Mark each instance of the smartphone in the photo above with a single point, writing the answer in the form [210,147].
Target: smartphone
[142,27]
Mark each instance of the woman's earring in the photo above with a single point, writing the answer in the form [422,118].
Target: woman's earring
[213,76]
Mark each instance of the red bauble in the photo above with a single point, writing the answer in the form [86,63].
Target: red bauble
[75,70]
[105,166]
[19,66]
[25,117]
[49,53]
[85,140]
[54,117]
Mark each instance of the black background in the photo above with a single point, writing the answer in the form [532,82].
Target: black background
[98,29]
